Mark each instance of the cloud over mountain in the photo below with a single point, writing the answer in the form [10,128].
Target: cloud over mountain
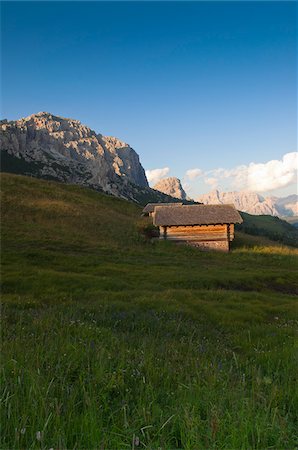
[264,177]
[192,174]
[259,177]
[154,175]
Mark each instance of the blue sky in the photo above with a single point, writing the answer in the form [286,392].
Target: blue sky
[189,85]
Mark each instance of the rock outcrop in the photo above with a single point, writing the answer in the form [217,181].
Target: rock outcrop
[65,150]
[253,203]
[171,186]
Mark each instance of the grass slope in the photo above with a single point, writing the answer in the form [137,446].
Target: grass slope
[271,227]
[142,195]
[110,341]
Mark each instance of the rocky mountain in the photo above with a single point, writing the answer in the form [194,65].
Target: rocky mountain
[53,147]
[171,186]
[253,203]
[287,206]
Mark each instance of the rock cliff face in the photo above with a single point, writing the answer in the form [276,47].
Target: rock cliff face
[253,203]
[65,150]
[171,186]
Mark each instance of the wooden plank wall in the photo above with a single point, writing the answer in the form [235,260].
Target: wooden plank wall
[198,233]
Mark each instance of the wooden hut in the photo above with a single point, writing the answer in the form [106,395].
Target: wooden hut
[204,226]
[149,208]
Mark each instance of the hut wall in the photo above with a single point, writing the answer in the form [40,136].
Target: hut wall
[198,233]
[232,231]
[204,237]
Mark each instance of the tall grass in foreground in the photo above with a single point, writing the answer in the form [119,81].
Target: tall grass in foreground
[109,341]
[94,375]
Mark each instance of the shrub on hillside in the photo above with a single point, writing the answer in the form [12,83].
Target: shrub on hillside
[146,228]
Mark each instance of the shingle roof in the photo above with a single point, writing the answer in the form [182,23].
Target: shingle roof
[149,208]
[196,215]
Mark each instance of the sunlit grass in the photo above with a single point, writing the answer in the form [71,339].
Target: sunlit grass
[112,341]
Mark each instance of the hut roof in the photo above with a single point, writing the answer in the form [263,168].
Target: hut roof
[149,208]
[196,215]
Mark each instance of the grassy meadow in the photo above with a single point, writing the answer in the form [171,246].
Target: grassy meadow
[111,341]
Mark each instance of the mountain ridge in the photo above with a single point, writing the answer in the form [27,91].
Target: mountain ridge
[66,150]
[254,203]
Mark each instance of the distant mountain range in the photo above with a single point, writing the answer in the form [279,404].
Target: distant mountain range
[254,203]
[52,147]
[246,201]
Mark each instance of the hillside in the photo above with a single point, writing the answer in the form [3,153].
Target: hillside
[270,227]
[141,195]
[113,341]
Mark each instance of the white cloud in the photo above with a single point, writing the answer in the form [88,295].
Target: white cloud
[154,175]
[262,177]
[192,174]
[213,182]
[259,177]
[274,174]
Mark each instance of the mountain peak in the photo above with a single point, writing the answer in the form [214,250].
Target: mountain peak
[45,114]
[42,113]
[116,142]
[63,149]
[252,202]
[171,186]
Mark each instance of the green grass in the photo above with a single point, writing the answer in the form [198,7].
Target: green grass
[270,227]
[112,341]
